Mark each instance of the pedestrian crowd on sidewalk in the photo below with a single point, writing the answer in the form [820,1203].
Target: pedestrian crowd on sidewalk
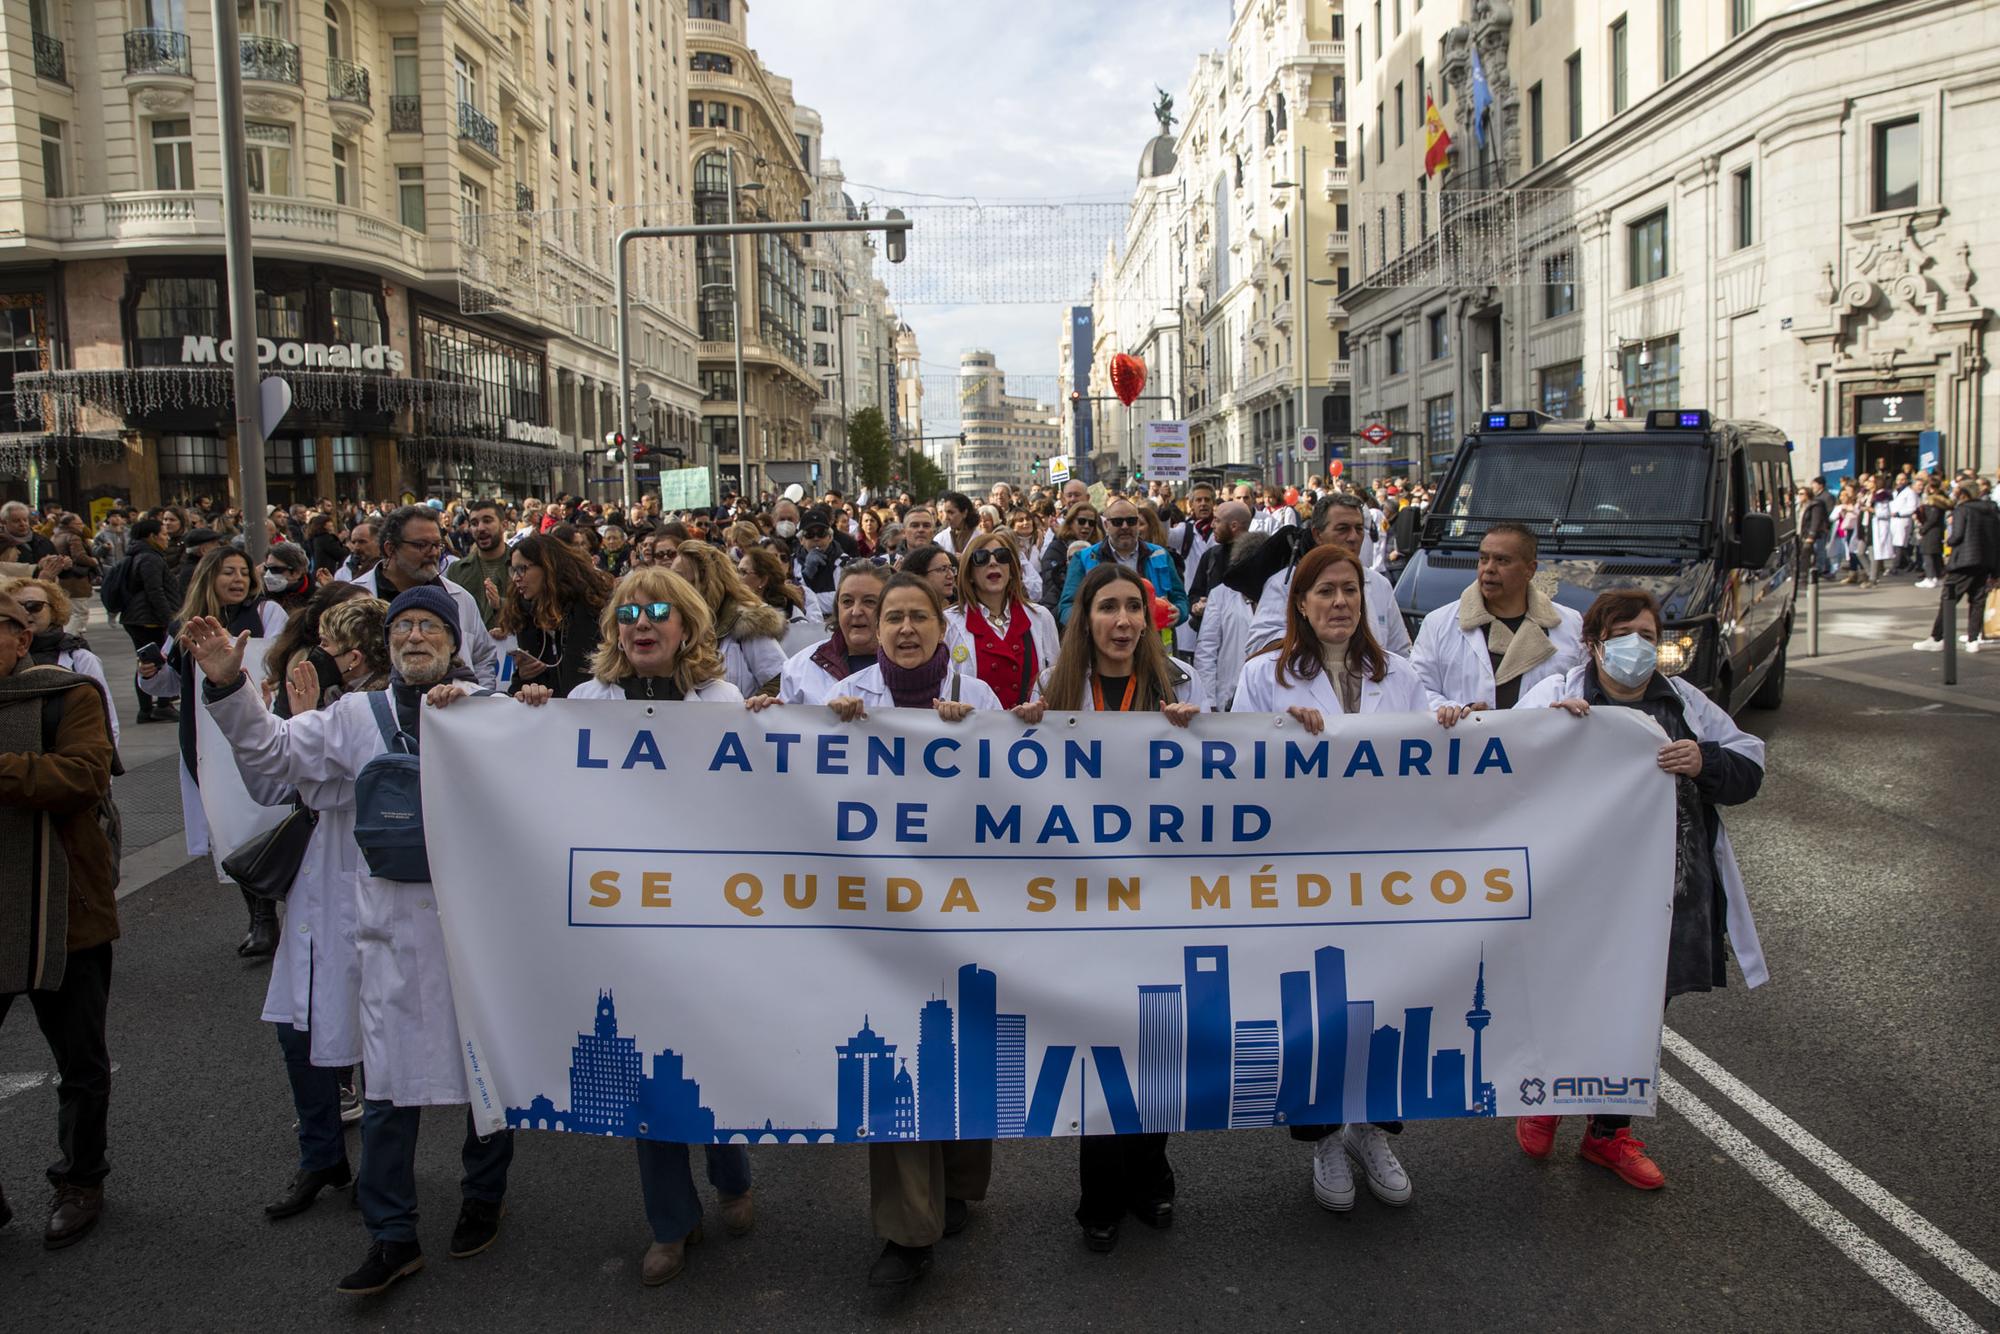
[1254,600]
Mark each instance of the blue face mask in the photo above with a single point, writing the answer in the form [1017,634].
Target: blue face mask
[1629,660]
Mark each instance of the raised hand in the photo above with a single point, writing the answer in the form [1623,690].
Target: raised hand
[218,655]
[302,687]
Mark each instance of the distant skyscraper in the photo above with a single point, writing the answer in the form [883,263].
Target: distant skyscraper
[978,1054]
[1447,1083]
[903,1122]
[1254,1100]
[1208,1036]
[604,1072]
[1160,1046]
[1416,1060]
[1476,1019]
[1384,1047]
[866,1075]
[1011,1075]
[1354,1090]
[1295,1038]
[670,1104]
[937,1072]
[1330,977]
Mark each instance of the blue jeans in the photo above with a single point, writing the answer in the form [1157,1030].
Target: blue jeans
[316,1098]
[666,1183]
[387,1186]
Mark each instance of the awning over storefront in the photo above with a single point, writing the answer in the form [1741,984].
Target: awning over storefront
[22,451]
[58,397]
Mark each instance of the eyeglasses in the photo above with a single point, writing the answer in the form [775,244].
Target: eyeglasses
[32,607]
[987,555]
[629,613]
[1123,521]
[422,548]
[404,627]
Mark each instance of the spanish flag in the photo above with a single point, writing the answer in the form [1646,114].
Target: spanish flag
[1437,142]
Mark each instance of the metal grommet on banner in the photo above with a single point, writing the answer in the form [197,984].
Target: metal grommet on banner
[643,1127]
[1279,721]
[649,710]
[1072,720]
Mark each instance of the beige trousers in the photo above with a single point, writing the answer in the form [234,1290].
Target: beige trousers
[908,1183]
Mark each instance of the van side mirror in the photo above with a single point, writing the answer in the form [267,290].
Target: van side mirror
[1756,539]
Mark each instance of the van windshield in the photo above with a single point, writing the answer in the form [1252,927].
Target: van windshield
[1577,494]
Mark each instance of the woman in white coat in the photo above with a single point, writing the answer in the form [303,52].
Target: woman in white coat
[996,632]
[222,589]
[410,1047]
[314,996]
[658,644]
[749,634]
[49,615]
[813,675]
[1503,636]
[1327,666]
[1714,763]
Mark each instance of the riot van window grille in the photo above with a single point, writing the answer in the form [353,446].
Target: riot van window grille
[1578,493]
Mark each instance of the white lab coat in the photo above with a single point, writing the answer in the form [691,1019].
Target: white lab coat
[1902,514]
[85,663]
[717,691]
[1224,643]
[1708,722]
[805,681]
[409,1029]
[868,687]
[1270,521]
[1188,688]
[1457,669]
[1378,600]
[749,663]
[1041,629]
[1400,690]
[315,981]
[476,646]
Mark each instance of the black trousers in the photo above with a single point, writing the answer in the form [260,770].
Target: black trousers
[1117,1172]
[1970,587]
[142,635]
[72,1021]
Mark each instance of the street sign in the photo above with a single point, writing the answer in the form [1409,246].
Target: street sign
[1375,433]
[1309,444]
[1059,469]
[1372,450]
[1167,451]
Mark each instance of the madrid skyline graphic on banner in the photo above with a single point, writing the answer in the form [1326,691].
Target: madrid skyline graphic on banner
[1323,1061]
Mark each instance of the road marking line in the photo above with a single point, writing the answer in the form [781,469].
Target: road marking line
[1856,1182]
[1897,1278]
[21,1083]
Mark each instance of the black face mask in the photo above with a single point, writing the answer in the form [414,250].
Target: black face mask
[328,670]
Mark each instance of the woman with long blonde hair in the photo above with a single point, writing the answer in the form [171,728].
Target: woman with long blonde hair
[749,634]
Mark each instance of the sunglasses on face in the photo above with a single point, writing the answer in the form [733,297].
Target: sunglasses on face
[1123,521]
[1086,523]
[987,555]
[657,612]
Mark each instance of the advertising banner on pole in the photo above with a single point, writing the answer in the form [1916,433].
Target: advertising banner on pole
[1166,451]
[719,926]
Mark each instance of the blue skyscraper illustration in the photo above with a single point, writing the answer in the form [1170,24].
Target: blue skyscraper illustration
[1254,1096]
[1354,1088]
[903,1102]
[1160,1044]
[1295,1040]
[1384,1047]
[865,1086]
[603,1076]
[670,1104]
[1208,1036]
[978,1053]
[1330,981]
[1416,1061]
[937,1072]
[1477,1018]
[1447,1083]
[1010,1088]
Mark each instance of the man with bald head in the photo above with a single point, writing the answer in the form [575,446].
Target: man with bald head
[1232,520]
[1074,493]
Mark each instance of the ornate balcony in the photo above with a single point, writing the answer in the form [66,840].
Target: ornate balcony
[1338,370]
[271,59]
[1336,243]
[406,114]
[478,128]
[524,199]
[158,51]
[1336,180]
[49,62]
[346,81]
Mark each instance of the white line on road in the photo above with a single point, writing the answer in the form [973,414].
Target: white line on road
[1901,1282]
[1851,1178]
[21,1083]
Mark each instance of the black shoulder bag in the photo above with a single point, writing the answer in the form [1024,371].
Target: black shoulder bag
[267,865]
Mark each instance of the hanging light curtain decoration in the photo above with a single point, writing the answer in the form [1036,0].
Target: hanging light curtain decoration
[1128,378]
[19,452]
[447,451]
[57,398]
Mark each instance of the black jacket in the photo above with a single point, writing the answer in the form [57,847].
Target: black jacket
[568,651]
[1975,537]
[1208,571]
[1930,529]
[1055,570]
[152,595]
[1816,518]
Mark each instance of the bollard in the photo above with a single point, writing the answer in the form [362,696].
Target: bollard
[1948,613]
[1812,616]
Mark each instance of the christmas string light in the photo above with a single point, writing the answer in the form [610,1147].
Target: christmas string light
[58,398]
[20,454]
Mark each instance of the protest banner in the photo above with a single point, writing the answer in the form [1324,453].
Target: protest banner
[234,816]
[1166,451]
[777,927]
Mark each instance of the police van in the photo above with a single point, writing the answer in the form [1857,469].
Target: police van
[1694,510]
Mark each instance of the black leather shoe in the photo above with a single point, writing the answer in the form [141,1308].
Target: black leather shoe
[1100,1237]
[261,941]
[386,1262]
[72,1214]
[956,1216]
[478,1227]
[305,1188]
[899,1266]
[1157,1214]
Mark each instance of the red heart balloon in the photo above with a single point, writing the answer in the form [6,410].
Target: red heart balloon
[1128,377]
[1337,467]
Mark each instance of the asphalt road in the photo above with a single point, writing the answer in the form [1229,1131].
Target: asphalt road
[1866,1067]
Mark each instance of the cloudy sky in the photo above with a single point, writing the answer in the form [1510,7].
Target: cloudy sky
[1028,99]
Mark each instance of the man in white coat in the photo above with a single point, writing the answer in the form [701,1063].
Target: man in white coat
[412,542]
[1340,519]
[1503,635]
[409,1029]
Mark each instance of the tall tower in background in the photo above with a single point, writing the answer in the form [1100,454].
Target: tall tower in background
[937,1071]
[1208,1037]
[978,1053]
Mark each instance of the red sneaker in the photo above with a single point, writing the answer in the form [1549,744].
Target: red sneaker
[1625,1156]
[1536,1134]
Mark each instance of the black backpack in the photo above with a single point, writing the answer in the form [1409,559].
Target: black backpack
[116,587]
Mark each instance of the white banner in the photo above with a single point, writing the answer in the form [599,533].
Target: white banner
[1166,451]
[703,924]
[233,817]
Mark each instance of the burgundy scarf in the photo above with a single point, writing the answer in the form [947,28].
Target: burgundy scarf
[914,687]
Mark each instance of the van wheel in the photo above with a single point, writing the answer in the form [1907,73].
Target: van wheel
[1772,692]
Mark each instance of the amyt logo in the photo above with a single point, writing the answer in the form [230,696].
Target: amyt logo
[1533,1092]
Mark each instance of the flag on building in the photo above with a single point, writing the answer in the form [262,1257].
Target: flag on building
[1482,99]
[1437,140]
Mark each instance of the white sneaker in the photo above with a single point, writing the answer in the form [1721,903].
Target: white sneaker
[1971,645]
[1368,1145]
[1929,646]
[1333,1179]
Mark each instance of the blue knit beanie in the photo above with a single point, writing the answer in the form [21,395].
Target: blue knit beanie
[433,599]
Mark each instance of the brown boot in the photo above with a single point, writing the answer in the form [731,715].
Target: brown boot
[736,1218]
[666,1259]
[72,1213]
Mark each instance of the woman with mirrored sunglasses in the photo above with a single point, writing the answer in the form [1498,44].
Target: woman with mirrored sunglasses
[995,632]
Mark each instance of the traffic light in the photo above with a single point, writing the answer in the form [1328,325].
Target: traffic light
[898,248]
[614,446]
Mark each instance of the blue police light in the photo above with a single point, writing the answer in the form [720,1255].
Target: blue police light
[1496,421]
[1677,419]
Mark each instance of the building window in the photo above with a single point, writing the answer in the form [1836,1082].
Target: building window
[342,181]
[1742,13]
[1621,84]
[267,157]
[715,11]
[465,80]
[1444,85]
[1744,197]
[1361,149]
[1438,425]
[410,196]
[1534,11]
[52,159]
[1897,154]
[1558,284]
[1652,375]
[190,465]
[1381,140]
[281,313]
[173,155]
[1562,390]
[1646,250]
[1393,343]
[1670,40]
[718,386]
[1535,126]
[507,379]
[1437,335]
[821,355]
[471,207]
[170,309]
[1400,118]
[1573,70]
[820,323]
[355,314]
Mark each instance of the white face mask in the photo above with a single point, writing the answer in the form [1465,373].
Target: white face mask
[785,528]
[276,581]
[1629,660]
